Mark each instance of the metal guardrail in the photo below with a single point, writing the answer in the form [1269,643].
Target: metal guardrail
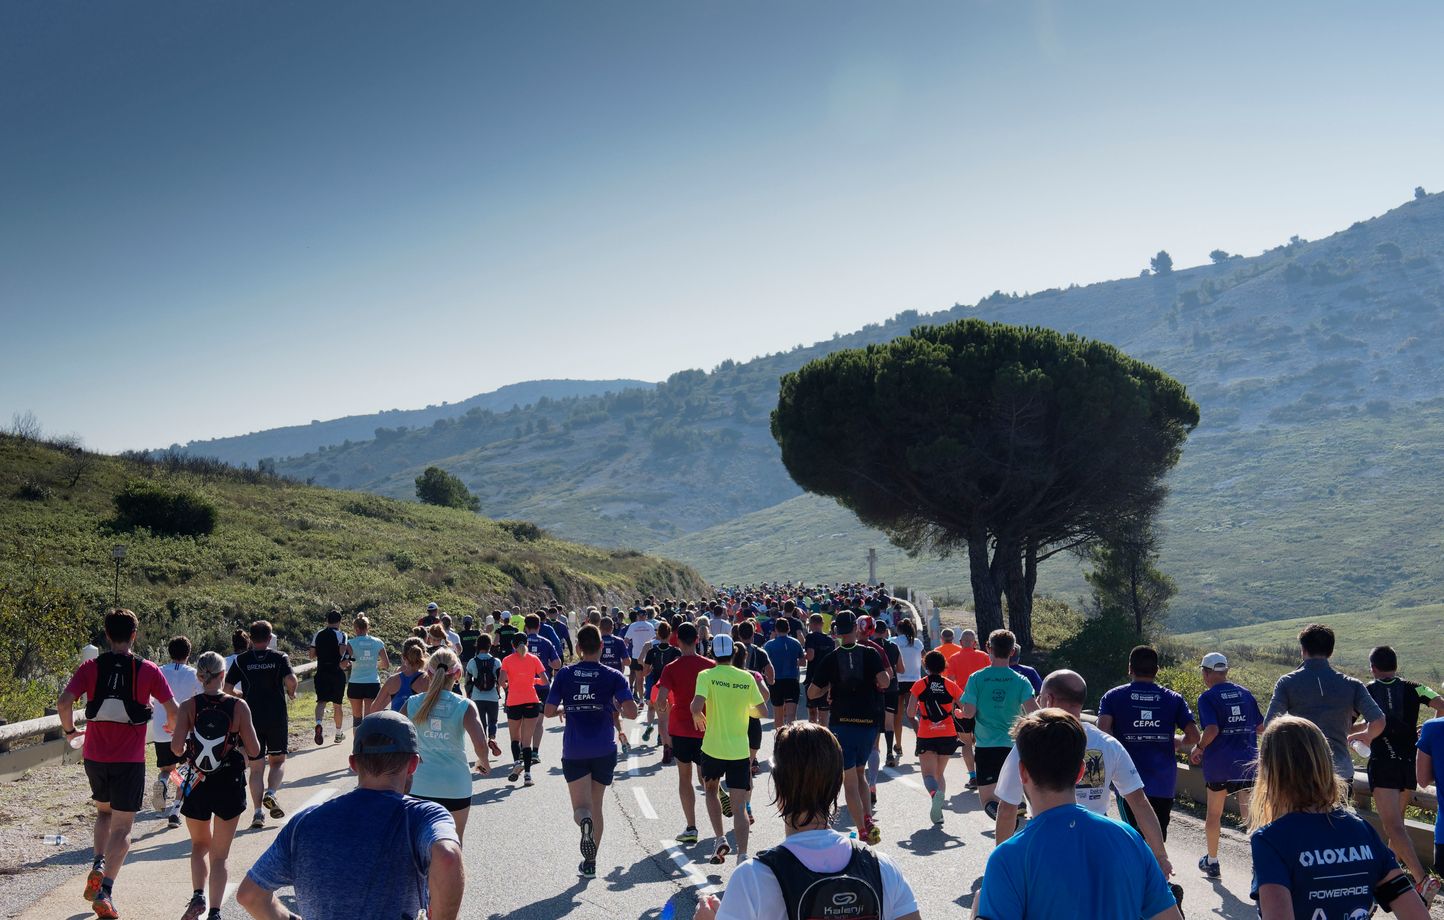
[47,727]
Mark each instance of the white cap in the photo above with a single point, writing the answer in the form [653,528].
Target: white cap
[432,606]
[1214,661]
[722,646]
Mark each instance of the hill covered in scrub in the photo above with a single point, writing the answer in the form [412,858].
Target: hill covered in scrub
[281,551]
[1304,488]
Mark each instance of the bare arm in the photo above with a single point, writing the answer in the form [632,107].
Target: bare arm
[1105,724]
[291,685]
[1190,737]
[247,731]
[65,708]
[383,662]
[446,879]
[1408,905]
[628,709]
[967,710]
[183,723]
[883,679]
[471,722]
[384,695]
[1149,828]
[1437,704]
[1171,913]
[699,716]
[1275,903]
[260,903]
[1204,740]
[1006,823]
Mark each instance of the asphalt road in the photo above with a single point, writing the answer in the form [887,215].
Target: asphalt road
[521,847]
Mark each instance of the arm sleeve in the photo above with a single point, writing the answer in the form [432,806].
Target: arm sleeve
[1269,867]
[1207,715]
[434,826]
[1121,770]
[971,697]
[285,669]
[1105,705]
[623,692]
[1428,738]
[1426,693]
[274,870]
[1279,702]
[160,689]
[820,675]
[743,898]
[82,682]
[554,694]
[756,698]
[1185,715]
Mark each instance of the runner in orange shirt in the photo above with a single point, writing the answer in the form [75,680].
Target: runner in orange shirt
[949,648]
[521,674]
[961,666]
[932,703]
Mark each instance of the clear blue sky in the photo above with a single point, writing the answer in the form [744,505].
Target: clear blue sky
[217,217]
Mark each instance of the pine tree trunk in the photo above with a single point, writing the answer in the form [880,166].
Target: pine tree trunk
[987,596]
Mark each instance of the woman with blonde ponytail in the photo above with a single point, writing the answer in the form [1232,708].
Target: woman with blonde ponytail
[1312,856]
[443,722]
[401,685]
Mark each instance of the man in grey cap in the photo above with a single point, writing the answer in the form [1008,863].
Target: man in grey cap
[312,852]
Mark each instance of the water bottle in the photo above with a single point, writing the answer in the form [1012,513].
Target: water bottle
[852,835]
[1360,748]
[77,740]
[54,840]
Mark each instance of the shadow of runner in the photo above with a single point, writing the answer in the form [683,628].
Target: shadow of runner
[928,840]
[1233,905]
[966,901]
[558,905]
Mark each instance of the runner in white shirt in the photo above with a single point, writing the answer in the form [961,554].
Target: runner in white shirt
[1105,764]
[639,635]
[181,678]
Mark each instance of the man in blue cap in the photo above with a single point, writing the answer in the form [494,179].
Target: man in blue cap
[311,853]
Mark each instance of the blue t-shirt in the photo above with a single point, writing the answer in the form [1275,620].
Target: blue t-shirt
[1069,862]
[1144,717]
[365,655]
[542,647]
[1431,742]
[1032,674]
[784,652]
[387,876]
[551,635]
[589,692]
[1230,756]
[1329,863]
[614,651]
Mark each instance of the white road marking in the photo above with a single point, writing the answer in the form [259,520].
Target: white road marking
[644,803]
[902,778]
[694,873]
[634,765]
[636,736]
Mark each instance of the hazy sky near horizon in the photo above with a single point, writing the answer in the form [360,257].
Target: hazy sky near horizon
[218,217]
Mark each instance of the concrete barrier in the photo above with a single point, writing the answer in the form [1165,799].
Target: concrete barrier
[40,741]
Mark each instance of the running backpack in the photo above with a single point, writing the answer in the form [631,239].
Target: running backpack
[850,672]
[855,893]
[114,697]
[210,743]
[485,671]
[934,696]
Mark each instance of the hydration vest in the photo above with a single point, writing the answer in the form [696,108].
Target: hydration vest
[114,697]
[211,742]
[855,893]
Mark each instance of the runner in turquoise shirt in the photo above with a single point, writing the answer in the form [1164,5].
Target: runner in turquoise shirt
[443,721]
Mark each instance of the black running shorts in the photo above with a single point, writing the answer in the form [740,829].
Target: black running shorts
[119,785]
[524,711]
[785,690]
[221,794]
[1231,786]
[737,773]
[989,761]
[754,733]
[163,757]
[330,684]
[1388,773]
[945,747]
[600,769]
[687,750]
[274,737]
[362,691]
[451,805]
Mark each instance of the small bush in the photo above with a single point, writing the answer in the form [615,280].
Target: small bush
[436,486]
[1099,651]
[1389,252]
[32,490]
[522,531]
[164,510]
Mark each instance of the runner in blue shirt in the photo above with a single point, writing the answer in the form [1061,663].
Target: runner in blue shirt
[1226,750]
[786,655]
[1429,766]
[1143,716]
[1068,861]
[549,650]
[1313,858]
[590,693]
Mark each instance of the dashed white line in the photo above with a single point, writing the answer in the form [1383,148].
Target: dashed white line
[690,869]
[644,803]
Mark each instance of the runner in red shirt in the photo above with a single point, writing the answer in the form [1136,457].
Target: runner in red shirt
[118,688]
[932,703]
[675,690]
[961,666]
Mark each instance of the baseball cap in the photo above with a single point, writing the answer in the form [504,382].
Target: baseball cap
[396,728]
[844,623]
[1215,661]
[467,620]
[432,606]
[722,646]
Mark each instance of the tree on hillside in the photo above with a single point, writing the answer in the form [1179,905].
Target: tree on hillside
[1009,443]
[436,486]
[41,626]
[1126,577]
[1162,263]
[1419,193]
[1219,256]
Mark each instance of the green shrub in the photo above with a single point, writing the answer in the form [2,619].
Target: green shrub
[1098,651]
[164,510]
[32,490]
[522,531]
[436,486]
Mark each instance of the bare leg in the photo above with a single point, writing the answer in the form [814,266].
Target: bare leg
[200,853]
[336,715]
[257,780]
[740,824]
[687,793]
[714,808]
[854,789]
[1213,821]
[460,818]
[276,774]
[1390,804]
[117,841]
[102,828]
[223,832]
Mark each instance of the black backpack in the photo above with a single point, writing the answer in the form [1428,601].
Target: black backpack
[114,697]
[328,644]
[855,893]
[210,744]
[485,675]
[934,696]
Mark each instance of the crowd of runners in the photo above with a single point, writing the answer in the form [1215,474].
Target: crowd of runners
[842,673]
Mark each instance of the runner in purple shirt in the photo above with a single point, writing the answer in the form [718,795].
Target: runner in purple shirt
[592,695]
[1227,749]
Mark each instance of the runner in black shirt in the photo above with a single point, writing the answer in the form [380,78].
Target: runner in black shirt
[1391,757]
[327,649]
[856,677]
[816,646]
[264,677]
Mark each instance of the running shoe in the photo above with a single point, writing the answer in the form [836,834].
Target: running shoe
[269,800]
[157,793]
[526,779]
[515,773]
[626,748]
[1428,889]
[1177,896]
[726,801]
[320,733]
[589,843]
[991,810]
[173,819]
[494,747]
[897,749]
[1210,867]
[667,756]
[972,782]
[647,733]
[104,907]
[195,908]
[689,835]
[937,810]
[92,884]
[588,869]
[258,820]
[340,736]
[891,760]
